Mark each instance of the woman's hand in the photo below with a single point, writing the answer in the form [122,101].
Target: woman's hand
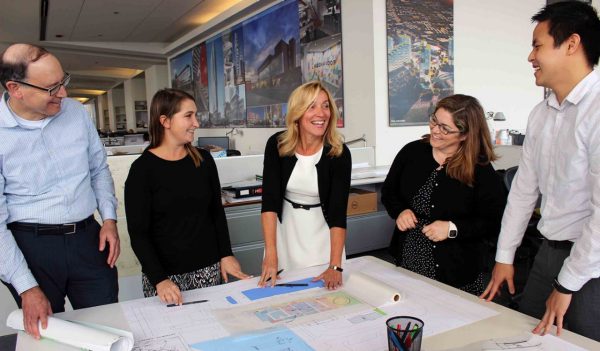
[269,270]
[168,292]
[230,265]
[331,278]
[406,220]
[437,231]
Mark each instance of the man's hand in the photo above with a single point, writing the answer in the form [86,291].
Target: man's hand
[230,265]
[406,220]
[502,272]
[556,307]
[436,231]
[169,292]
[109,234]
[36,307]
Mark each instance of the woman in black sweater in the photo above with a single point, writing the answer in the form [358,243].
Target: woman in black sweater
[446,197]
[173,205]
[306,181]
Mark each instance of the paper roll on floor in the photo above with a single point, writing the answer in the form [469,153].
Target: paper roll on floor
[97,338]
[370,290]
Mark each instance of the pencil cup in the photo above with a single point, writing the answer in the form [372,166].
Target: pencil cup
[404,333]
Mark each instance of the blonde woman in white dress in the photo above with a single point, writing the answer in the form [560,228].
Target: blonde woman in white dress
[306,180]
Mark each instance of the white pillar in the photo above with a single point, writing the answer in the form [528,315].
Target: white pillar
[112,123]
[129,105]
[156,78]
[101,106]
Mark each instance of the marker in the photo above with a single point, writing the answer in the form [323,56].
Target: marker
[395,340]
[403,337]
[292,284]
[414,334]
[187,303]
[278,272]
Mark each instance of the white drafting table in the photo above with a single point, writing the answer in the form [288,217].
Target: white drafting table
[507,323]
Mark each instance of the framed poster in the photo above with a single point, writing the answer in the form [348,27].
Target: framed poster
[243,76]
[321,42]
[181,72]
[420,50]
[272,63]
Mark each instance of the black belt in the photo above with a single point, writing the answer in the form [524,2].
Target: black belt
[302,206]
[51,229]
[560,244]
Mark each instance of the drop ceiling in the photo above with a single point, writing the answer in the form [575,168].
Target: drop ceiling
[104,42]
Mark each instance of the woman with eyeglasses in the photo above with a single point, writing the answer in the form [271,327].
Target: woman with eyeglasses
[446,198]
[175,218]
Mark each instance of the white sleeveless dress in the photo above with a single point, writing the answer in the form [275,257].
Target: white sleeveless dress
[303,236]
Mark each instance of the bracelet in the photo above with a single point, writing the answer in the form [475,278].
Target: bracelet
[336,268]
[561,289]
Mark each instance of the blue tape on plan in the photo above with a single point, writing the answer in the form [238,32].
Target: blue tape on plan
[263,340]
[261,293]
[231,300]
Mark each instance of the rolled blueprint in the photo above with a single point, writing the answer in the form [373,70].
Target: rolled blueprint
[94,338]
[370,290]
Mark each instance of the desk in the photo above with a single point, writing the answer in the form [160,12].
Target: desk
[506,323]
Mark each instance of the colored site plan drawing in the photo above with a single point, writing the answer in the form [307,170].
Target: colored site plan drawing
[290,310]
[310,305]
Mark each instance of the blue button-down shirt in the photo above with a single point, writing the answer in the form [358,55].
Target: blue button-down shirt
[51,175]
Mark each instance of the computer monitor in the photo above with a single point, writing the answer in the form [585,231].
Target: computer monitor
[220,141]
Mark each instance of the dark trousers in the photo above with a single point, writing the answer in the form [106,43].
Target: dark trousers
[583,315]
[69,265]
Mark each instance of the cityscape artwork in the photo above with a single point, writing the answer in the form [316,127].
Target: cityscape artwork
[420,48]
[243,76]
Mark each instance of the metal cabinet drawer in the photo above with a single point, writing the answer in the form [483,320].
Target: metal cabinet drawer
[250,258]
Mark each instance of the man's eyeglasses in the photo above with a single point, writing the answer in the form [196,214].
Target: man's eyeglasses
[53,90]
[444,129]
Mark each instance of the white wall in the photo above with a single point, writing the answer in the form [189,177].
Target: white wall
[493,40]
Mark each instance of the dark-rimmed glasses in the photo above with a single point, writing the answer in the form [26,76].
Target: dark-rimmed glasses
[444,129]
[53,90]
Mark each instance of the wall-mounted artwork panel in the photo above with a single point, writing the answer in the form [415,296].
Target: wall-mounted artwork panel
[420,45]
[243,76]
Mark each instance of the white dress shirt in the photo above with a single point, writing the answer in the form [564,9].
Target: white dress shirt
[560,160]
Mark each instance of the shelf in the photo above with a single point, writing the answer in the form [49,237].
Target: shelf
[140,105]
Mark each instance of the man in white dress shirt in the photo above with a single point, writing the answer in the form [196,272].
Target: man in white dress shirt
[560,161]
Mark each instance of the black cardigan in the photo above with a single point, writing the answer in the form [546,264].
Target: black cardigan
[175,218]
[333,175]
[476,211]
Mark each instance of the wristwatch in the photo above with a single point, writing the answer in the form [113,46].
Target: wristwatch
[336,268]
[561,289]
[452,230]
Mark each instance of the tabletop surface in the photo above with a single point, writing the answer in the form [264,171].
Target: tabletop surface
[506,323]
